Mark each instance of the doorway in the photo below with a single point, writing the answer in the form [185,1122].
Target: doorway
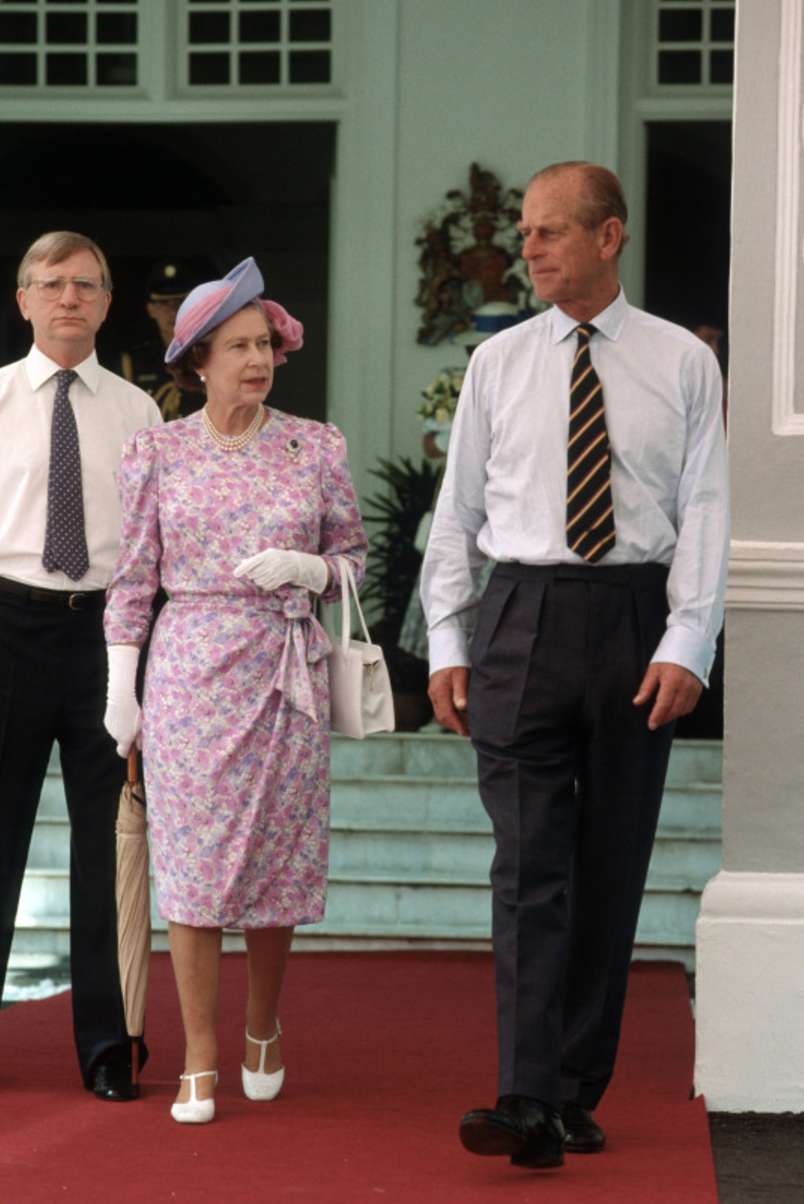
[687,258]
[206,193]
[687,244]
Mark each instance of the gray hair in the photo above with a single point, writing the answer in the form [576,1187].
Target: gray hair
[57,246]
[601,194]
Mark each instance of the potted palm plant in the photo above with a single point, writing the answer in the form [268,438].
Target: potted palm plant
[392,518]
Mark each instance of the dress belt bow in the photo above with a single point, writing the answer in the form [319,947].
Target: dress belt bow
[306,644]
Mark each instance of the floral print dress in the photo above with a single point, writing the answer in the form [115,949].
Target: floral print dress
[236,701]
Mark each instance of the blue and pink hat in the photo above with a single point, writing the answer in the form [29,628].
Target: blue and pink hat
[212,303]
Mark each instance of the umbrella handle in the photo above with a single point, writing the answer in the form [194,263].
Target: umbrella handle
[132,765]
[135,1058]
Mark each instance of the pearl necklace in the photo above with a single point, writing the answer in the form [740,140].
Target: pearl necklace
[231,443]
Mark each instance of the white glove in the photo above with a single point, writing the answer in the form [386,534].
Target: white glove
[123,718]
[276,567]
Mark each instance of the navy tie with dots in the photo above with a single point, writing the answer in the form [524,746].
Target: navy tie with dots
[65,539]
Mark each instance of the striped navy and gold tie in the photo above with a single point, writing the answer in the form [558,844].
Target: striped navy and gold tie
[590,510]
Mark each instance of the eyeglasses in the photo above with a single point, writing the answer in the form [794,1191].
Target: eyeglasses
[52,287]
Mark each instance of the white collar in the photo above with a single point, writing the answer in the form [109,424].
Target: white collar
[41,368]
[609,321]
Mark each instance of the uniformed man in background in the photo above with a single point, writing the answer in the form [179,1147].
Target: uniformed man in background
[166,286]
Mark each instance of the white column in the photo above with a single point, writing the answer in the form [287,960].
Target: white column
[750,934]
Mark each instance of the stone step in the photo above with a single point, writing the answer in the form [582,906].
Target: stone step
[683,865]
[443,755]
[667,918]
[427,905]
[391,912]
[369,867]
[413,821]
[695,761]
[411,848]
[401,803]
[680,864]
[51,801]
[434,758]
[378,864]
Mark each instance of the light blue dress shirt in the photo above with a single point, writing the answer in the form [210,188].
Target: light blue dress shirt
[504,491]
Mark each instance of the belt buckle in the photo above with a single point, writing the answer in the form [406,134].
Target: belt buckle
[76,601]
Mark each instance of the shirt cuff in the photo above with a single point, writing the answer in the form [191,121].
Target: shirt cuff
[448,648]
[683,646]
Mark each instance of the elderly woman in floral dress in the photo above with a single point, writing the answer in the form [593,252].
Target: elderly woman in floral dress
[239,512]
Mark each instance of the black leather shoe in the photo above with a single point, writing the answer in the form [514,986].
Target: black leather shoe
[583,1135]
[111,1078]
[525,1129]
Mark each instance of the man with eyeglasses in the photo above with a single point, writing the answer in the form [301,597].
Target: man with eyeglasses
[59,533]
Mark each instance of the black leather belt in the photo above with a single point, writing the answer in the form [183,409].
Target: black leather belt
[92,599]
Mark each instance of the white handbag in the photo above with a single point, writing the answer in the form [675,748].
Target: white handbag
[360,697]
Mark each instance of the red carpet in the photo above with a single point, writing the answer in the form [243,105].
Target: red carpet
[384,1052]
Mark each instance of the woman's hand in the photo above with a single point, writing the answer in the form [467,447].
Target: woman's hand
[277,566]
[123,718]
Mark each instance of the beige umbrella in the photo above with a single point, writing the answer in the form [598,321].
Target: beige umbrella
[133,907]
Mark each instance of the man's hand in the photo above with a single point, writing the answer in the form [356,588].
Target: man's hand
[448,690]
[677,691]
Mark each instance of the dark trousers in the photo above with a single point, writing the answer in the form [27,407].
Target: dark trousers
[52,689]
[572,780]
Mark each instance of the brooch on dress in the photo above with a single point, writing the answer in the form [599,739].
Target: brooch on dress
[293,447]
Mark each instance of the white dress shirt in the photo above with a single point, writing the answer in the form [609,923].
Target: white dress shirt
[107,410]
[504,491]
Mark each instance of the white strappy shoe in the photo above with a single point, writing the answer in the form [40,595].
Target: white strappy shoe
[256,1083]
[196,1111]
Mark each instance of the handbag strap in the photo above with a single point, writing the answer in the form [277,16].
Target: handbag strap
[349,591]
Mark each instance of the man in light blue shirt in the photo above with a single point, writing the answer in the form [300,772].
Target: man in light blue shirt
[569,675]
